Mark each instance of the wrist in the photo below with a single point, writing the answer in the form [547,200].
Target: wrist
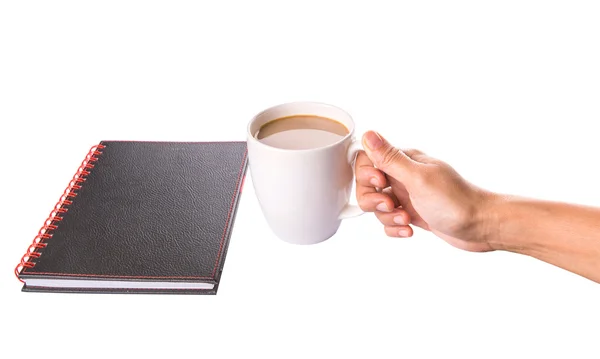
[503,228]
[494,212]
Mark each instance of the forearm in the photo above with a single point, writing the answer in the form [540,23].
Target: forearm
[565,235]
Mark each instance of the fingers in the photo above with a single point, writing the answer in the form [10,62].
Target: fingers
[397,217]
[374,201]
[373,167]
[367,174]
[399,231]
[388,191]
[395,220]
[363,187]
[388,158]
[368,178]
[396,223]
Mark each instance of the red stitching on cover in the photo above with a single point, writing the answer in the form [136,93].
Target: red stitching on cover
[28,264]
[242,185]
[229,214]
[58,208]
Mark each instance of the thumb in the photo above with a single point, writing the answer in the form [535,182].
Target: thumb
[388,158]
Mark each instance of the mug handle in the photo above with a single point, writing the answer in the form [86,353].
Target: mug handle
[352,210]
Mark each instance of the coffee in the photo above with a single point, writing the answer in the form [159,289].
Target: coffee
[301,132]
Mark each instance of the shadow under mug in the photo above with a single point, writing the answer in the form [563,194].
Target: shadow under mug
[303,194]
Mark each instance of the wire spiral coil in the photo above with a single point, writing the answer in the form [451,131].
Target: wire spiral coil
[51,223]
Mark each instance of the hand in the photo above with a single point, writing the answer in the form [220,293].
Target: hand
[404,187]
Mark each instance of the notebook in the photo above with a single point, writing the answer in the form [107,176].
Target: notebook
[140,217]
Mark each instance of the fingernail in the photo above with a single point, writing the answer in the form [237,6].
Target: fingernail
[399,220]
[382,207]
[373,140]
[403,232]
[373,181]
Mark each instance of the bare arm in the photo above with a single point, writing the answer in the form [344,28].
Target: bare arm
[565,235]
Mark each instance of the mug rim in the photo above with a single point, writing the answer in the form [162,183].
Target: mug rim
[350,134]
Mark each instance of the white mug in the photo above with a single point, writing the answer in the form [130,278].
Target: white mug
[303,194]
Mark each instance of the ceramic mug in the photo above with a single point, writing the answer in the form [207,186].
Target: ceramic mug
[303,194]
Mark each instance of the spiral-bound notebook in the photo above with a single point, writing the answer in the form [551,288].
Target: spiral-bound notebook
[140,217]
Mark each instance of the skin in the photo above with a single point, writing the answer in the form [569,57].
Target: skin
[406,188]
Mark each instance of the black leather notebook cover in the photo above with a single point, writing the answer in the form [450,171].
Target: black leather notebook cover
[141,217]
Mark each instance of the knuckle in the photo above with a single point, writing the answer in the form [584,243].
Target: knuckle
[364,205]
[362,171]
[380,217]
[412,151]
[390,232]
[390,156]
[386,221]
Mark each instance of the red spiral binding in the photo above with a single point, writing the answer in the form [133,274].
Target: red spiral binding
[50,224]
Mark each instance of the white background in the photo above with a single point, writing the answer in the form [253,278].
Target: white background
[507,92]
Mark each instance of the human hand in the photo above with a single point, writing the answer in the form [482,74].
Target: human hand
[404,187]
